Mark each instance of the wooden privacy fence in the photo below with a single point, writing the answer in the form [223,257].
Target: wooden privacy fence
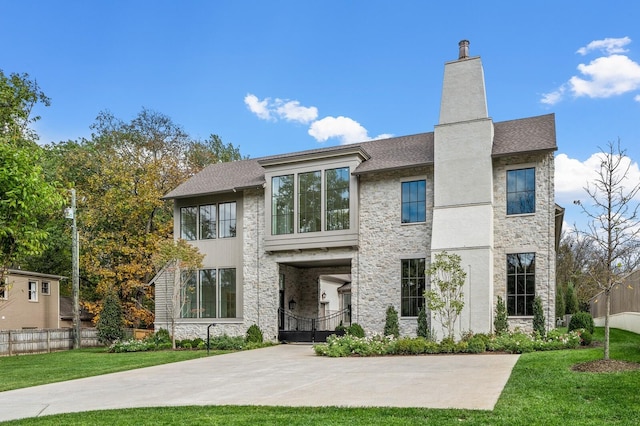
[27,341]
[625,297]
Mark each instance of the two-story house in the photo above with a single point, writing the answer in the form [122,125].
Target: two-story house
[346,231]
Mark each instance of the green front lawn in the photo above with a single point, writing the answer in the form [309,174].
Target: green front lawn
[22,371]
[542,390]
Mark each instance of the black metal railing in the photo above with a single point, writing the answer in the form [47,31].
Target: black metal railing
[292,322]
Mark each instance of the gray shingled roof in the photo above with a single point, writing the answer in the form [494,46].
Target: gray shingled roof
[510,137]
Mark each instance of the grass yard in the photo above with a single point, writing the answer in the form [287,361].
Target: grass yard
[542,390]
[22,371]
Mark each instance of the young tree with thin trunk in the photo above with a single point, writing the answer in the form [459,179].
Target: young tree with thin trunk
[445,298]
[614,224]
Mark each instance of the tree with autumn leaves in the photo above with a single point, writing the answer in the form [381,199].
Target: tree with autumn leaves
[121,174]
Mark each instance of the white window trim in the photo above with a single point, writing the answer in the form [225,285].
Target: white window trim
[35,292]
[48,292]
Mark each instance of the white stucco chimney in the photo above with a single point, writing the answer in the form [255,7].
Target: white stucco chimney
[463,91]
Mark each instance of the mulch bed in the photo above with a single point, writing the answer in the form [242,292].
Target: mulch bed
[606,366]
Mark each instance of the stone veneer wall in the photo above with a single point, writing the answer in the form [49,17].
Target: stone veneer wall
[527,233]
[384,241]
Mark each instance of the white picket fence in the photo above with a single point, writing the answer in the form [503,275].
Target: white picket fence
[30,341]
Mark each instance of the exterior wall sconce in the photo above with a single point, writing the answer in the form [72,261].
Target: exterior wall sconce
[324,295]
[292,304]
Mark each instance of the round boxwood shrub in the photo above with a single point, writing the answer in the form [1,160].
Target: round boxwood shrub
[582,320]
[355,330]
[254,334]
[585,338]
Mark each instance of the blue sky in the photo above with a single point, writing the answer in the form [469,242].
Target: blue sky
[280,76]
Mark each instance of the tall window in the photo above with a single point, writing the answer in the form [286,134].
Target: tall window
[309,201]
[208,219]
[227,293]
[282,205]
[412,287]
[337,199]
[227,213]
[414,205]
[33,291]
[521,283]
[521,191]
[209,293]
[188,223]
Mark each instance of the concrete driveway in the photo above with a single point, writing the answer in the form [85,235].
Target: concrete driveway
[286,375]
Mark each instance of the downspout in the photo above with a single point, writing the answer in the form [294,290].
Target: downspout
[258,255]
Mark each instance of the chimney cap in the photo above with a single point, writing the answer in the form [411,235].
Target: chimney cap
[463,51]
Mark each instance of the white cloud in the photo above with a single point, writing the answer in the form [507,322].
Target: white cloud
[292,111]
[283,109]
[606,76]
[343,128]
[572,176]
[554,97]
[636,98]
[607,45]
[258,107]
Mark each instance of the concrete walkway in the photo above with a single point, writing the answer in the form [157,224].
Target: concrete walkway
[285,375]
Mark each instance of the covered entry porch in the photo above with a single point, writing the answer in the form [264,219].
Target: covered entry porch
[314,299]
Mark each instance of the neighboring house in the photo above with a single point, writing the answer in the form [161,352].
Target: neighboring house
[29,300]
[624,310]
[66,314]
[346,231]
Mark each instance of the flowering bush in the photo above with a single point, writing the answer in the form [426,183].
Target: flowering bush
[515,342]
[132,345]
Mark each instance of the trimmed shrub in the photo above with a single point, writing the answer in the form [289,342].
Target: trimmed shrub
[500,323]
[476,345]
[448,345]
[227,343]
[538,317]
[161,336]
[423,324]
[585,337]
[355,330]
[254,334]
[110,323]
[582,320]
[391,325]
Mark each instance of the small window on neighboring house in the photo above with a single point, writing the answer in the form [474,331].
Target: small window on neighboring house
[188,223]
[414,205]
[4,289]
[521,283]
[46,288]
[521,191]
[33,291]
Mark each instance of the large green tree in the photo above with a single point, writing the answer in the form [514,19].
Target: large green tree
[27,198]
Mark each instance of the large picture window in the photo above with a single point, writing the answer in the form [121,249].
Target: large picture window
[309,201]
[282,205]
[208,221]
[414,204]
[521,191]
[337,199]
[412,287]
[521,283]
[208,293]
